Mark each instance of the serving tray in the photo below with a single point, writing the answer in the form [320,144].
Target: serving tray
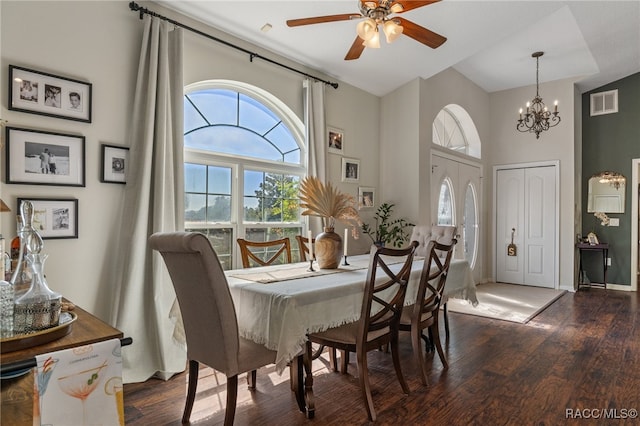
[23,341]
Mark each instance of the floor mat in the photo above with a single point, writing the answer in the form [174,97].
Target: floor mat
[508,302]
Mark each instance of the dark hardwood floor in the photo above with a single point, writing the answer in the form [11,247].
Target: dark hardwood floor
[581,354]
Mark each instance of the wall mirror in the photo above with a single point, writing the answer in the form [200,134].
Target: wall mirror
[606,193]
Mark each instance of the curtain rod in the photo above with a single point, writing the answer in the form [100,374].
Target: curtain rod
[136,8]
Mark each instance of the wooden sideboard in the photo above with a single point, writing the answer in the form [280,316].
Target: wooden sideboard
[17,393]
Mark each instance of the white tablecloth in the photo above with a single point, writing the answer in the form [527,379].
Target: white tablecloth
[280,314]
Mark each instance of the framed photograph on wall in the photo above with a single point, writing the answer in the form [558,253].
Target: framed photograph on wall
[38,92]
[366,197]
[44,158]
[335,140]
[115,162]
[350,170]
[54,218]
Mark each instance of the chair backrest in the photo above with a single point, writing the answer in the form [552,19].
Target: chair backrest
[385,290]
[423,234]
[202,290]
[433,279]
[264,253]
[303,246]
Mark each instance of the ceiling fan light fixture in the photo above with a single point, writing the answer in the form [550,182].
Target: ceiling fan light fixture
[392,30]
[396,8]
[367,29]
[373,42]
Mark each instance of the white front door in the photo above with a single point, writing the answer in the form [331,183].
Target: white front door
[455,195]
[526,213]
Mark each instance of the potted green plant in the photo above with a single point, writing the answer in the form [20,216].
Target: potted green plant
[387,231]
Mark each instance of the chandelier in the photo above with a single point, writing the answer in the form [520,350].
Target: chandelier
[377,14]
[612,178]
[538,118]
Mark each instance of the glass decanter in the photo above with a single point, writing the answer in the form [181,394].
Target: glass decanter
[22,273]
[39,308]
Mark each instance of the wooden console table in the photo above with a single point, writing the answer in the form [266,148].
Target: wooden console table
[17,393]
[604,249]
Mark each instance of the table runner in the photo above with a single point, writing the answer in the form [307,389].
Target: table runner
[292,271]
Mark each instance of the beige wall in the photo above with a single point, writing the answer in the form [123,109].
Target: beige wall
[99,42]
[508,146]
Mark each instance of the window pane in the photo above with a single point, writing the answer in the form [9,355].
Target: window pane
[195,207]
[281,137]
[470,235]
[252,182]
[219,209]
[445,204]
[219,180]
[195,178]
[256,116]
[217,106]
[222,242]
[233,141]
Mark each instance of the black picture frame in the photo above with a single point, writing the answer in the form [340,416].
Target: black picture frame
[29,159]
[42,93]
[115,164]
[54,218]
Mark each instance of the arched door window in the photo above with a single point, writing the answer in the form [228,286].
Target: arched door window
[244,159]
[470,228]
[446,206]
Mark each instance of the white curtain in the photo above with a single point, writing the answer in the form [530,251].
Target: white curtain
[314,120]
[154,199]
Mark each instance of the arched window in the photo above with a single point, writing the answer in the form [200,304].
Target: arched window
[244,159]
[453,129]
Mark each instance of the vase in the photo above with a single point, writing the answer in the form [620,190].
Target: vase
[328,249]
[39,308]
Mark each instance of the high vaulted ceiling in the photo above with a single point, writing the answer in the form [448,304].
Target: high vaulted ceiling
[490,42]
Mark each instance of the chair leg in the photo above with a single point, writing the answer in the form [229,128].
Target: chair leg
[344,362]
[416,344]
[363,373]
[232,397]
[333,359]
[194,369]
[436,341]
[446,322]
[396,364]
[251,379]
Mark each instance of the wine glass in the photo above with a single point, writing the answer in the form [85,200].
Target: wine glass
[80,385]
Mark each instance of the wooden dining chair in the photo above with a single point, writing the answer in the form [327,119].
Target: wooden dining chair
[209,316]
[262,253]
[425,312]
[384,293]
[443,234]
[303,245]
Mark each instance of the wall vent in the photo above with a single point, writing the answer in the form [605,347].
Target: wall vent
[604,102]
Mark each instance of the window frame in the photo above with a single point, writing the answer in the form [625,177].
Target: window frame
[239,163]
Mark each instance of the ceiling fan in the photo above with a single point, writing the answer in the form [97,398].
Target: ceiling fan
[378,14]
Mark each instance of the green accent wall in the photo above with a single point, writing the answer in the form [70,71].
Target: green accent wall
[610,142]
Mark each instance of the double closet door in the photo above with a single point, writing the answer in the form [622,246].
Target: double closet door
[526,225]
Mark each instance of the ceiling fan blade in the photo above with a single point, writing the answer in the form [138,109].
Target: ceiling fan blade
[356,49]
[421,34]
[322,19]
[410,4]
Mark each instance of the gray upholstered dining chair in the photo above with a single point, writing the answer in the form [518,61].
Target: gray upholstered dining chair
[425,312]
[209,316]
[383,299]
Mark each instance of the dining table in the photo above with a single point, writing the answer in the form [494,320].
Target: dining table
[278,305]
